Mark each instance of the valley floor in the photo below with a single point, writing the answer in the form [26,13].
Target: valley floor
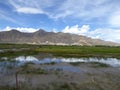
[58,75]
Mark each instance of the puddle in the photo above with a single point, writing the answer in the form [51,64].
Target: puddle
[7,64]
[109,61]
[7,67]
[25,59]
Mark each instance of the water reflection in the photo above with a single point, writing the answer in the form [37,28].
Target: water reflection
[110,61]
[7,64]
[7,67]
[1,51]
[24,59]
[63,68]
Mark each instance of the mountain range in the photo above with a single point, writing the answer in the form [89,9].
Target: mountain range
[42,37]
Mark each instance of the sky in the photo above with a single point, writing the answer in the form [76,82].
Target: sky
[98,19]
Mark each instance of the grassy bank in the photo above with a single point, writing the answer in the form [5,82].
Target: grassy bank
[81,51]
[65,51]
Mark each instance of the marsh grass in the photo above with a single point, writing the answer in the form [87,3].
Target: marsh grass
[92,64]
[76,63]
[63,86]
[29,69]
[64,51]
[98,64]
[7,88]
[81,51]
[49,63]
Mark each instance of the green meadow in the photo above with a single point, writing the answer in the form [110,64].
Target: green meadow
[64,51]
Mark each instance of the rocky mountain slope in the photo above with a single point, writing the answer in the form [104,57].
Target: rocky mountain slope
[50,38]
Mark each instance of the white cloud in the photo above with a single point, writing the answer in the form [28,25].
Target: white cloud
[85,9]
[27,10]
[76,29]
[21,29]
[31,6]
[101,10]
[106,34]
[114,19]
[54,30]
[100,33]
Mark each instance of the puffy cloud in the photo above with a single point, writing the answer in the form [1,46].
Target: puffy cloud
[106,34]
[54,30]
[76,29]
[20,29]
[100,33]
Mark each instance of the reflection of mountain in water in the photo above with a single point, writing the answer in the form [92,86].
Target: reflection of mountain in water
[7,66]
[25,59]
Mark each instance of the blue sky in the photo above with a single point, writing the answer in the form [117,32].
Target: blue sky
[92,18]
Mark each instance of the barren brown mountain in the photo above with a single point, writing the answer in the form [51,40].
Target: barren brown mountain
[50,38]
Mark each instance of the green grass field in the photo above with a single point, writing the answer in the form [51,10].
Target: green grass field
[81,51]
[65,51]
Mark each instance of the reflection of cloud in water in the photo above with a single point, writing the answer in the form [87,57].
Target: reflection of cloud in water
[7,67]
[110,61]
[7,64]
[26,58]
[1,51]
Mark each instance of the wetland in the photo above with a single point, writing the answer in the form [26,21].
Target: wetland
[45,67]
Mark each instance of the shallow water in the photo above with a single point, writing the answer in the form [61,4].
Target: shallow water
[114,62]
[110,61]
[1,51]
[7,64]
[63,68]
